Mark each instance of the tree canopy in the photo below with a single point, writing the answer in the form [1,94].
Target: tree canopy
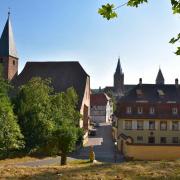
[11,137]
[49,120]
[109,11]
[33,106]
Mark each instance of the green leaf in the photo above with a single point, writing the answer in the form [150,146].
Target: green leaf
[175,6]
[136,3]
[178,51]
[107,11]
[174,40]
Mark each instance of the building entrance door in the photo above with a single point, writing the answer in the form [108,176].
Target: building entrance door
[151,140]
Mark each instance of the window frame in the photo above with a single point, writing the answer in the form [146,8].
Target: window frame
[128,110]
[154,125]
[140,110]
[150,110]
[161,122]
[174,141]
[165,142]
[174,110]
[141,128]
[174,129]
[126,127]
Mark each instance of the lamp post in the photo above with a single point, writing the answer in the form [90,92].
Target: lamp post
[115,151]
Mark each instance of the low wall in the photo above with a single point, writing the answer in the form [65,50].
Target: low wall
[151,152]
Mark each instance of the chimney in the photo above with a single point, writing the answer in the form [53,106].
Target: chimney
[140,81]
[99,89]
[176,82]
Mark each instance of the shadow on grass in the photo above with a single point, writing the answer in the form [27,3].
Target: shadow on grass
[86,170]
[23,153]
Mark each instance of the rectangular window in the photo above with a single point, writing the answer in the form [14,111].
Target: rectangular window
[128,124]
[151,140]
[174,111]
[140,110]
[151,125]
[151,110]
[140,125]
[163,125]
[128,110]
[163,140]
[175,125]
[140,138]
[175,140]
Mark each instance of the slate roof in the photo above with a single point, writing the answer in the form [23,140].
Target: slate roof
[99,99]
[118,68]
[7,43]
[127,88]
[63,75]
[153,93]
[159,78]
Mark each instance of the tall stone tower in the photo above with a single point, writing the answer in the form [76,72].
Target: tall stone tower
[119,80]
[159,78]
[8,53]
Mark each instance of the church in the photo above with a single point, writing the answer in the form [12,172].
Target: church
[120,89]
[63,74]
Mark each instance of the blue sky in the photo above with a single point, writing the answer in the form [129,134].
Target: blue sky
[67,30]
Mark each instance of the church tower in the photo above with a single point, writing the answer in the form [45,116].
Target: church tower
[159,78]
[119,80]
[8,53]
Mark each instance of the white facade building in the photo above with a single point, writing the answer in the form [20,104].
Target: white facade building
[101,108]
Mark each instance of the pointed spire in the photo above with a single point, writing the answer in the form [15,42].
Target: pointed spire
[7,43]
[159,78]
[118,68]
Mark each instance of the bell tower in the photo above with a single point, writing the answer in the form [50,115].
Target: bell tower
[8,53]
[119,80]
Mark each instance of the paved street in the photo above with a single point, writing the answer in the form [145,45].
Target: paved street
[103,147]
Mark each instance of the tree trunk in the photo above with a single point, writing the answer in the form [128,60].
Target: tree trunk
[63,159]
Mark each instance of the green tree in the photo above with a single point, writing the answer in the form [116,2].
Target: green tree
[109,11]
[64,107]
[63,141]
[66,119]
[33,107]
[10,135]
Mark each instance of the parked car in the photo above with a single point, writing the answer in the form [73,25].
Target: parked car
[92,132]
[96,124]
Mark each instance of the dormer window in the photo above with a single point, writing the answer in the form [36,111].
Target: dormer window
[128,110]
[140,110]
[139,92]
[174,111]
[151,110]
[160,92]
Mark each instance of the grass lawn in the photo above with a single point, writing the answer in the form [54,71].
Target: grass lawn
[11,161]
[84,170]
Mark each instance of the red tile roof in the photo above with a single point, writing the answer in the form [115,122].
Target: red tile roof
[99,99]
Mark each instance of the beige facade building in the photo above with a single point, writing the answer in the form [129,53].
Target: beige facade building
[148,121]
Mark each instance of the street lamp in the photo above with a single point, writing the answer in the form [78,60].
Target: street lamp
[115,151]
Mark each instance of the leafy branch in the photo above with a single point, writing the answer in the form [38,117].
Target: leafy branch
[108,12]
